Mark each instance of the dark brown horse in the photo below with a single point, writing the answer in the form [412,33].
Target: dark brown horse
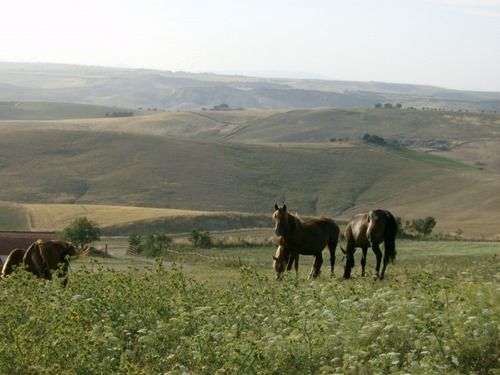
[370,230]
[306,238]
[14,259]
[43,257]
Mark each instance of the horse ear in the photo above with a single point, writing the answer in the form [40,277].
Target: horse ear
[284,207]
[275,206]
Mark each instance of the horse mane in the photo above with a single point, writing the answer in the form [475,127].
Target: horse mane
[295,223]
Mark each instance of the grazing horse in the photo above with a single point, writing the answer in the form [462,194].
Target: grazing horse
[14,259]
[306,238]
[370,230]
[43,257]
[281,260]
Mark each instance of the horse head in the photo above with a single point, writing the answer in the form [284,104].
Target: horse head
[279,262]
[283,223]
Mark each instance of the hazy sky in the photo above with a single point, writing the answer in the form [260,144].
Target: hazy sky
[451,43]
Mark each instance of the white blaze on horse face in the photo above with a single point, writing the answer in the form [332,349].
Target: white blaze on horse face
[276,219]
[279,261]
[280,218]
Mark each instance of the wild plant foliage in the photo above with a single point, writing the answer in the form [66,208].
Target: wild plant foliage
[159,321]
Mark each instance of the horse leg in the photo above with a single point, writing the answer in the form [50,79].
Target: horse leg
[316,269]
[378,254]
[332,246]
[385,262]
[363,261]
[349,261]
[291,259]
[296,259]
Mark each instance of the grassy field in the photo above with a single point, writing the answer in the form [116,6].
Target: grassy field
[52,111]
[436,312]
[192,161]
[449,255]
[135,170]
[304,125]
[58,216]
[13,217]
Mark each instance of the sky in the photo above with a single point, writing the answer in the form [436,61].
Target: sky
[449,43]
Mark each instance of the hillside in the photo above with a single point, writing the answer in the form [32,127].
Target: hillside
[116,220]
[41,166]
[56,111]
[133,88]
[472,138]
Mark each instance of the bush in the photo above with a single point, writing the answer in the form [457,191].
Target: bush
[158,322]
[416,227]
[150,245]
[200,239]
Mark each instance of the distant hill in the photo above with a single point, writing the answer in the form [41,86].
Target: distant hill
[133,88]
[90,167]
[57,111]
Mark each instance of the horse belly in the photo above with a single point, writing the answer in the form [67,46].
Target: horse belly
[313,242]
[360,237]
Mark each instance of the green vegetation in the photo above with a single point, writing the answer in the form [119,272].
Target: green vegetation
[428,317]
[13,217]
[200,239]
[150,245]
[416,227]
[55,111]
[436,161]
[81,232]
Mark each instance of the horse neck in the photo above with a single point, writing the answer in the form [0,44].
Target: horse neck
[294,228]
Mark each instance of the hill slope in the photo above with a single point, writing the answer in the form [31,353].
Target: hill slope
[332,179]
[54,111]
[134,88]
[473,138]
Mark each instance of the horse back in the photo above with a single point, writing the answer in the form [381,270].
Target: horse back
[313,235]
[323,227]
[356,231]
[14,259]
[377,225]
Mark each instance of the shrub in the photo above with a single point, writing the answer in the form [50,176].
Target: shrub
[200,239]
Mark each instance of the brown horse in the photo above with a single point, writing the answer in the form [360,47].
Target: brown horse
[43,257]
[306,238]
[14,259]
[370,230]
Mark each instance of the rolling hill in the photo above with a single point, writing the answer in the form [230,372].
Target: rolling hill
[337,179]
[472,138]
[41,111]
[132,88]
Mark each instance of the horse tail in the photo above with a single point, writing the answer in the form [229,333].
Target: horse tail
[334,235]
[391,230]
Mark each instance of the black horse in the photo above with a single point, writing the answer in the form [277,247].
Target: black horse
[306,238]
[370,230]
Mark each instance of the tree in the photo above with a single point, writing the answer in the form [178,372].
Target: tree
[200,239]
[81,232]
[135,243]
[154,244]
[424,226]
